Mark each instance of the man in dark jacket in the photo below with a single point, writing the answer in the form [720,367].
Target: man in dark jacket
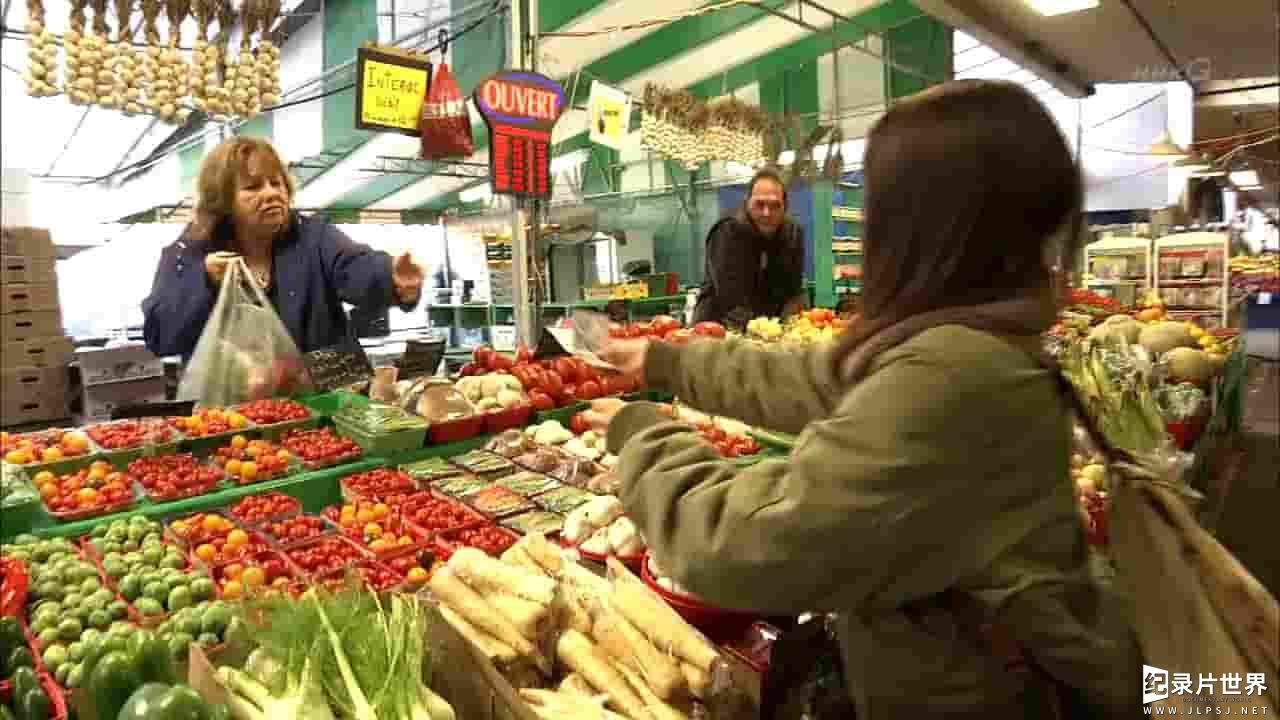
[754,259]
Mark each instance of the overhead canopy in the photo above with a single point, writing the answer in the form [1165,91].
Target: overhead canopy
[1125,40]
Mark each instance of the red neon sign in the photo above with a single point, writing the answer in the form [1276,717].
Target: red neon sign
[521,109]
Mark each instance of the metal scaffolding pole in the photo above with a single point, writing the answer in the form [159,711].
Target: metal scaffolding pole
[523,15]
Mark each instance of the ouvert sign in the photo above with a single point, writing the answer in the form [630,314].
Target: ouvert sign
[521,109]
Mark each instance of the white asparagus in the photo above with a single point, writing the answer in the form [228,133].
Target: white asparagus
[455,593]
[530,618]
[698,680]
[553,705]
[668,631]
[516,555]
[575,684]
[497,651]
[627,644]
[544,553]
[489,575]
[586,658]
[655,707]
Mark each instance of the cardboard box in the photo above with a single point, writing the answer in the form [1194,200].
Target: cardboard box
[100,400]
[29,383]
[131,361]
[27,298]
[19,327]
[23,269]
[42,410]
[55,351]
[27,241]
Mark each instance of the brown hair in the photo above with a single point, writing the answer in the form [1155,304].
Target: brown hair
[968,185]
[219,179]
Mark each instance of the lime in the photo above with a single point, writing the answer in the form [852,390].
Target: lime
[202,589]
[100,619]
[90,585]
[178,645]
[48,636]
[70,629]
[148,606]
[131,587]
[156,590]
[179,598]
[117,610]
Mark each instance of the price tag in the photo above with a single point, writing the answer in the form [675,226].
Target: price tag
[338,367]
[1264,298]
[421,357]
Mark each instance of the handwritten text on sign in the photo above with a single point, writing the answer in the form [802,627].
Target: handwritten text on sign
[521,109]
[390,91]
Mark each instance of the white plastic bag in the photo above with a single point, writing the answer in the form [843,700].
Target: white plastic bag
[245,352]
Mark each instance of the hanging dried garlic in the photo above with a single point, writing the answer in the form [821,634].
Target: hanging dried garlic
[155,91]
[172,69]
[218,89]
[123,66]
[77,92]
[41,77]
[267,55]
[202,10]
[96,52]
[243,82]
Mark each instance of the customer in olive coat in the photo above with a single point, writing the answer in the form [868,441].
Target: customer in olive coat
[928,494]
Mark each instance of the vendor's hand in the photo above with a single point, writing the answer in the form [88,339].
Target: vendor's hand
[601,414]
[406,277]
[216,264]
[626,355]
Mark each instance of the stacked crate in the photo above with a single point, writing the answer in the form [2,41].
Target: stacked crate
[33,351]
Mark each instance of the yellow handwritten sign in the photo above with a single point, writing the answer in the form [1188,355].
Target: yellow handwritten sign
[390,90]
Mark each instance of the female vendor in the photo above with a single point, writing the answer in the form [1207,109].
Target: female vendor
[307,267]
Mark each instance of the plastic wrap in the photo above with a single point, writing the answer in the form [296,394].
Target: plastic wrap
[510,444]
[245,351]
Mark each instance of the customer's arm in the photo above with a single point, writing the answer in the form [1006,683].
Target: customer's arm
[873,507]
[361,275]
[771,388]
[175,313]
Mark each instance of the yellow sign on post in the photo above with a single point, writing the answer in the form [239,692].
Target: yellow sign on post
[390,89]
[610,111]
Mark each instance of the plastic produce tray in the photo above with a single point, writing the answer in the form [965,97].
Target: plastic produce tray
[385,444]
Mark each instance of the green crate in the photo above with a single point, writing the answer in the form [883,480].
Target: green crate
[120,459]
[384,445]
[207,444]
[19,516]
[327,404]
[62,467]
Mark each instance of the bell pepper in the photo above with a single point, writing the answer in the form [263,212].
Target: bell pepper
[13,586]
[157,701]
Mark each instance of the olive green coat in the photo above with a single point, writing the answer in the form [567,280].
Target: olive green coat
[945,468]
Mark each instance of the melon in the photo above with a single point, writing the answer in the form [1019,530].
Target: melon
[1161,337]
[1117,326]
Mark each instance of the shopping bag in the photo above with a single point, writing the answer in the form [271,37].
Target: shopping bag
[445,126]
[245,352]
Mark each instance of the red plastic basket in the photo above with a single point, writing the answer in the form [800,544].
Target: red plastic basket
[502,420]
[456,430]
[634,561]
[717,623]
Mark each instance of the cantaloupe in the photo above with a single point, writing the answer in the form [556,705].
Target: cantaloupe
[1117,326]
[1161,337]
[1189,364]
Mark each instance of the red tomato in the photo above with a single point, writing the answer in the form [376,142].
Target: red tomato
[469,369]
[481,355]
[566,369]
[523,353]
[617,330]
[569,393]
[541,401]
[590,390]
[679,337]
[552,383]
[634,331]
[578,424]
[498,361]
[710,329]
[663,324]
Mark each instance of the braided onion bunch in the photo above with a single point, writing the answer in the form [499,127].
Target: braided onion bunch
[41,77]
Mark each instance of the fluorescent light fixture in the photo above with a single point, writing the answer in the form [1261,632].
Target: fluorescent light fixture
[476,193]
[1049,8]
[787,157]
[1208,173]
[1249,187]
[1245,177]
[568,161]
[1196,161]
[354,170]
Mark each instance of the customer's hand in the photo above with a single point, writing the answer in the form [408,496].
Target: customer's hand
[626,355]
[215,265]
[407,276]
[601,414]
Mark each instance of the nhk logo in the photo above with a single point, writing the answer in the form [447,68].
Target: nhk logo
[1208,695]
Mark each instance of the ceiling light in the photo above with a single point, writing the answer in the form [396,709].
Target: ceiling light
[1245,177]
[787,157]
[1208,173]
[1249,187]
[1049,8]
[1164,145]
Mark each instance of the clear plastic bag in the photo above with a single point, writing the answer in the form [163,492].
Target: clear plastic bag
[245,352]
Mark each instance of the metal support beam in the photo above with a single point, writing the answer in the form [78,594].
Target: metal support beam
[524,14]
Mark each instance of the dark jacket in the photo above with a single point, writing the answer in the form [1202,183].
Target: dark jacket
[748,273]
[315,268]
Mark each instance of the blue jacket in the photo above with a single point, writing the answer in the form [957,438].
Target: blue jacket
[315,268]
